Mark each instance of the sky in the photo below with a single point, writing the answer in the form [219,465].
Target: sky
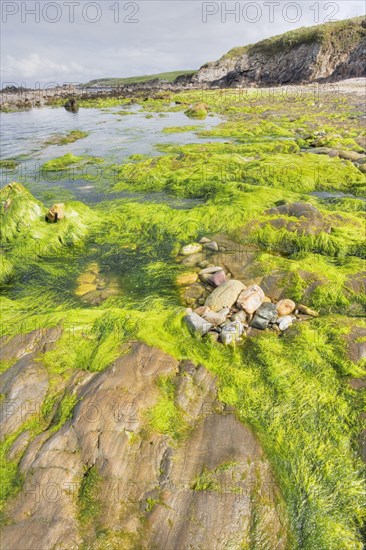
[57,42]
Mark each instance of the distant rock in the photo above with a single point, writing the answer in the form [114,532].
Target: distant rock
[199,110]
[72,105]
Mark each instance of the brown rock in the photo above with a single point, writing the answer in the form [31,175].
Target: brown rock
[56,213]
[285,307]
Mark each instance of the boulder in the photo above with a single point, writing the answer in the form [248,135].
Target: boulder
[56,213]
[251,298]
[265,314]
[285,307]
[225,295]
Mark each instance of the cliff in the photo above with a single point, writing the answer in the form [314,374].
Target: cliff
[323,53]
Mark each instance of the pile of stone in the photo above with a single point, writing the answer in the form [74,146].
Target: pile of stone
[233,310]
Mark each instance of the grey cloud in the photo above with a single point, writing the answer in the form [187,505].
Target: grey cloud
[169,35]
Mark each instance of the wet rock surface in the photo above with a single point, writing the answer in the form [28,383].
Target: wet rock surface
[310,221]
[194,493]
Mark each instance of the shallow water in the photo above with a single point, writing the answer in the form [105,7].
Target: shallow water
[331,195]
[112,136]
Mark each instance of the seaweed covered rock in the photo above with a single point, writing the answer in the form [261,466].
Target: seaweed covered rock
[19,209]
[199,110]
[310,221]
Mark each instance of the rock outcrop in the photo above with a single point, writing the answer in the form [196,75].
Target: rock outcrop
[329,52]
[200,489]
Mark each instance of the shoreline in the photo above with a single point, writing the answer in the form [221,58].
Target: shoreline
[24,99]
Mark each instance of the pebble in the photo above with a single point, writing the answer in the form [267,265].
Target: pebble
[284,322]
[204,240]
[224,295]
[265,314]
[239,316]
[190,249]
[218,278]
[285,307]
[231,333]
[212,246]
[216,317]
[196,324]
[251,298]
[307,310]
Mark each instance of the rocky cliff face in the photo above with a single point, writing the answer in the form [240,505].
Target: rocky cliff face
[328,52]
[104,479]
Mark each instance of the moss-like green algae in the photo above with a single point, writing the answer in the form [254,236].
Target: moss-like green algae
[292,391]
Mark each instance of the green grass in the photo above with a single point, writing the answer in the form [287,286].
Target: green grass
[340,33]
[163,77]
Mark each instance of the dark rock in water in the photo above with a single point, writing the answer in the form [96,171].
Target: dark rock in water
[71,105]
[267,313]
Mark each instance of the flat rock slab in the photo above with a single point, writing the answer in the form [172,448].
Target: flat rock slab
[115,405]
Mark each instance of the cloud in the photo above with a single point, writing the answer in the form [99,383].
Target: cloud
[35,66]
[170,35]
